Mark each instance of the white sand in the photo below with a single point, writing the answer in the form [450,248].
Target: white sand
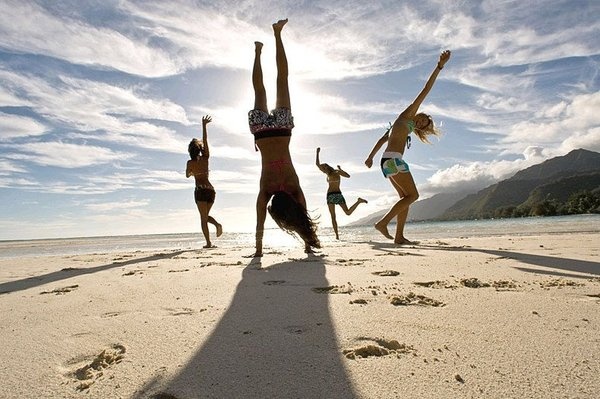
[208,324]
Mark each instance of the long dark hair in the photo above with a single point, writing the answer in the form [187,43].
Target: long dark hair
[196,148]
[292,217]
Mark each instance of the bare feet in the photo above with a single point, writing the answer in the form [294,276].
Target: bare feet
[219,230]
[362,201]
[209,246]
[278,26]
[382,228]
[258,46]
[404,241]
[254,255]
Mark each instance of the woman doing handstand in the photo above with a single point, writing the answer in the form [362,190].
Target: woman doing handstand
[204,194]
[393,166]
[334,194]
[272,132]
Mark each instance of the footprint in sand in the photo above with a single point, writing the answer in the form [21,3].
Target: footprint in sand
[274,282]
[560,283]
[296,329]
[133,272]
[61,291]
[178,271]
[93,367]
[437,284]
[122,257]
[378,347]
[70,269]
[393,254]
[352,262]
[386,273]
[111,314]
[473,282]
[504,285]
[181,311]
[413,299]
[334,289]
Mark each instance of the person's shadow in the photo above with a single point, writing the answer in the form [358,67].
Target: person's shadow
[276,340]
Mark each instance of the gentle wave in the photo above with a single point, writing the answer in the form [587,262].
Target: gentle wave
[278,238]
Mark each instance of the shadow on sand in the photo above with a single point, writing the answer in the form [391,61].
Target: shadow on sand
[550,262]
[276,340]
[67,273]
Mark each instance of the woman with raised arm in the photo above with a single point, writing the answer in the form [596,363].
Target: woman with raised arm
[204,194]
[334,194]
[392,164]
[272,132]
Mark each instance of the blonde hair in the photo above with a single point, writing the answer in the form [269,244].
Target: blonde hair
[429,130]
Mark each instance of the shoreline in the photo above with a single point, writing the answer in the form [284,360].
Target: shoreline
[187,241]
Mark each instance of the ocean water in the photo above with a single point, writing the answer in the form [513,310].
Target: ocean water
[278,239]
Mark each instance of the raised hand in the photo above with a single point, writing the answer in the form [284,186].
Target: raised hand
[206,119]
[444,57]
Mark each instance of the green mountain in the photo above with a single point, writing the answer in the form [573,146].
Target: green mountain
[429,208]
[553,182]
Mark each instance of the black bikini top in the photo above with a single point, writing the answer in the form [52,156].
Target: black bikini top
[263,134]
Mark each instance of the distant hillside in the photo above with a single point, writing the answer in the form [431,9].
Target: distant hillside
[579,161]
[370,219]
[556,179]
[434,207]
[562,189]
[429,208]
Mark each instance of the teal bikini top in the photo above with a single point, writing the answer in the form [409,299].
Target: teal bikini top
[411,128]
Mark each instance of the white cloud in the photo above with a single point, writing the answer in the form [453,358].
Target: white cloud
[12,126]
[17,182]
[9,99]
[64,155]
[473,176]
[7,168]
[29,28]
[116,206]
[90,107]
[567,124]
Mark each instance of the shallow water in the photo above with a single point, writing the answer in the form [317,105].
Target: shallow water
[277,238]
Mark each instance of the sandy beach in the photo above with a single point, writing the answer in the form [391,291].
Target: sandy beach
[483,317]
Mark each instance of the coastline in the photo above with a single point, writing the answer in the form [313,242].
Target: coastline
[187,241]
[498,316]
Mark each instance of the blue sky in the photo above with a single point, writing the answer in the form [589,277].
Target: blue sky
[99,99]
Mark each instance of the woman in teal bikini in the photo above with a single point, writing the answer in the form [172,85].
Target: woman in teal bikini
[272,131]
[334,194]
[204,194]
[393,166]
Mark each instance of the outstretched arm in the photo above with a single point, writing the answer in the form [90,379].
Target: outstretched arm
[318,161]
[205,121]
[380,142]
[414,107]
[342,172]
[261,215]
